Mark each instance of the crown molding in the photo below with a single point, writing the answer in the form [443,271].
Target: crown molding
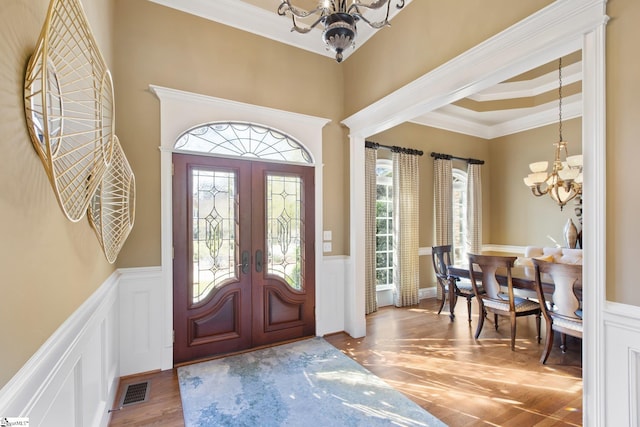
[494,124]
[265,23]
[170,94]
[552,32]
[528,88]
[571,109]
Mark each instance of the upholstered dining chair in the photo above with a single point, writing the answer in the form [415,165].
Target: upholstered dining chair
[565,313]
[441,257]
[498,299]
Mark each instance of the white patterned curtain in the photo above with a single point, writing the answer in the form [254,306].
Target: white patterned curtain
[443,204]
[405,229]
[371,302]
[474,209]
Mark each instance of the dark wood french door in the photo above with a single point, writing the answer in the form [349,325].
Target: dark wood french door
[244,270]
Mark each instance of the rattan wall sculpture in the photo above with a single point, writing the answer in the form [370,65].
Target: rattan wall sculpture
[70,112]
[112,209]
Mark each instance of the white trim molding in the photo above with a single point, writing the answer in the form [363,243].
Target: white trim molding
[73,377]
[622,367]
[424,293]
[141,313]
[512,249]
[267,23]
[180,111]
[330,309]
[494,124]
[561,28]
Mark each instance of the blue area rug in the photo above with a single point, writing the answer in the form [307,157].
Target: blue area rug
[304,383]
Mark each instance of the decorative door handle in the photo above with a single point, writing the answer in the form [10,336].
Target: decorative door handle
[245,262]
[259,261]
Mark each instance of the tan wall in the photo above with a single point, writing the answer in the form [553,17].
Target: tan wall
[200,56]
[517,217]
[49,265]
[623,151]
[429,140]
[511,214]
[422,37]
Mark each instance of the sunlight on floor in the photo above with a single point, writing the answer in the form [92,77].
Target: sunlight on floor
[491,383]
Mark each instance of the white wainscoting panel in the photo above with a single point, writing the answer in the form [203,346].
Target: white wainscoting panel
[73,378]
[424,293]
[330,295]
[511,249]
[434,291]
[622,364]
[385,295]
[141,320]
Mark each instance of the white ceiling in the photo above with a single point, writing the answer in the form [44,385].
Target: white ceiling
[260,17]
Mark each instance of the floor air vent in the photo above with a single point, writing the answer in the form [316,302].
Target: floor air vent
[135,393]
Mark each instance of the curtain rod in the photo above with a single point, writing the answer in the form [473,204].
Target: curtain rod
[395,149]
[449,157]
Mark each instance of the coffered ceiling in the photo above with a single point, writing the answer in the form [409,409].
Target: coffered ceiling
[525,102]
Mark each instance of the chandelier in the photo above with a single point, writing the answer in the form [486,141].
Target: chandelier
[339,21]
[564,182]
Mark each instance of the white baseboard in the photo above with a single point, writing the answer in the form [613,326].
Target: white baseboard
[72,379]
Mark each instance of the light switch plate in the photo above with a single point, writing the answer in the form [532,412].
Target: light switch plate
[326,235]
[326,247]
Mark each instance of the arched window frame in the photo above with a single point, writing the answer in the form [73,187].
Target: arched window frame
[243,140]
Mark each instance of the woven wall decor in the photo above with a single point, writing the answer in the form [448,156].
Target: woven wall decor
[112,209]
[69,106]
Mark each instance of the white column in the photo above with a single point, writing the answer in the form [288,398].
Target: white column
[594,404]
[355,323]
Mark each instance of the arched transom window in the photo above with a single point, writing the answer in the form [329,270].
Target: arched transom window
[236,139]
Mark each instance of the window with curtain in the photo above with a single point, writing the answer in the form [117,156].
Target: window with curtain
[384,223]
[459,215]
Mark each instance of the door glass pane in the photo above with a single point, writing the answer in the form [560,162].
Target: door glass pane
[243,140]
[214,231]
[285,226]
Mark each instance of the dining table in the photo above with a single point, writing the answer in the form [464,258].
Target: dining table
[522,277]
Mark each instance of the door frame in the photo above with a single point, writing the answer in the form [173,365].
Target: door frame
[180,111]
[252,296]
[558,29]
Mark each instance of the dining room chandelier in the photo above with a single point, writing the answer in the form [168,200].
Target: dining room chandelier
[564,182]
[338,20]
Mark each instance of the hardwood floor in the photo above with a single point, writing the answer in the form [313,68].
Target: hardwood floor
[163,408]
[465,382]
[439,365]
